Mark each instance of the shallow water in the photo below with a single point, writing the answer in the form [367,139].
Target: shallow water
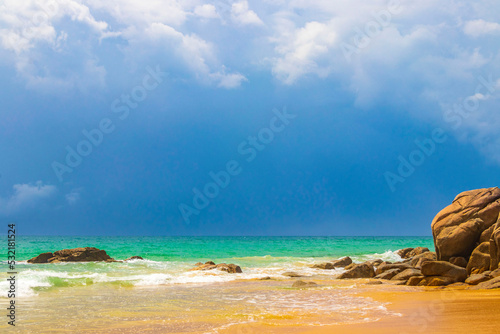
[162,295]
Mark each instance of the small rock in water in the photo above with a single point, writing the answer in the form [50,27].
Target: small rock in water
[302,284]
[292,274]
[134,258]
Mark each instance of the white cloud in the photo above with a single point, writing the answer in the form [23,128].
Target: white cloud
[301,51]
[197,54]
[477,28]
[25,196]
[242,15]
[206,11]
[73,197]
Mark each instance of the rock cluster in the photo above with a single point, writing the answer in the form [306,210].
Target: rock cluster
[340,263]
[86,254]
[209,265]
[467,242]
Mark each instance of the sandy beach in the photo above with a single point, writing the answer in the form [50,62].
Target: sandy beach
[428,310]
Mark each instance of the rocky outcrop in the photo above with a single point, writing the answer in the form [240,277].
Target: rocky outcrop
[362,270]
[134,258]
[458,227]
[209,265]
[458,261]
[87,254]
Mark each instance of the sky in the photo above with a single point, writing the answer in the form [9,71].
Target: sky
[267,117]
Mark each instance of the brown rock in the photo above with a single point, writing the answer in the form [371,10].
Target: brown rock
[343,262]
[486,235]
[443,268]
[458,227]
[389,274]
[362,270]
[436,281]
[134,258]
[374,282]
[458,261]
[417,251]
[417,260]
[210,262]
[495,246]
[229,268]
[494,273]
[324,265]
[376,262]
[491,284]
[87,254]
[291,274]
[477,278]
[406,274]
[480,259]
[414,280]
[302,284]
[384,267]
[404,252]
[266,278]
[42,258]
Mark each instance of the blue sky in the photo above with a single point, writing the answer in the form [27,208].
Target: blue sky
[268,117]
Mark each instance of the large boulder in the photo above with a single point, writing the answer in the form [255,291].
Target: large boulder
[458,227]
[480,259]
[362,270]
[444,269]
[86,254]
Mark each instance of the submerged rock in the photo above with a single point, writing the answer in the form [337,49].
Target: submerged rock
[303,284]
[87,254]
[134,258]
[292,274]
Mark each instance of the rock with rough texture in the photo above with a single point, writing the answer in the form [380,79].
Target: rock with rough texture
[406,274]
[302,284]
[362,270]
[210,263]
[324,265]
[87,254]
[374,282]
[477,278]
[457,228]
[389,274]
[292,274]
[134,258]
[458,261]
[385,266]
[480,259]
[445,269]
[343,262]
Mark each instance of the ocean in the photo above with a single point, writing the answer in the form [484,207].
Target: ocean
[171,297]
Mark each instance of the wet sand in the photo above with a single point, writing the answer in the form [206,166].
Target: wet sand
[430,310]
[251,307]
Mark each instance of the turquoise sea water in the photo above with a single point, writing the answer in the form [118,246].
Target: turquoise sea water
[168,259]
